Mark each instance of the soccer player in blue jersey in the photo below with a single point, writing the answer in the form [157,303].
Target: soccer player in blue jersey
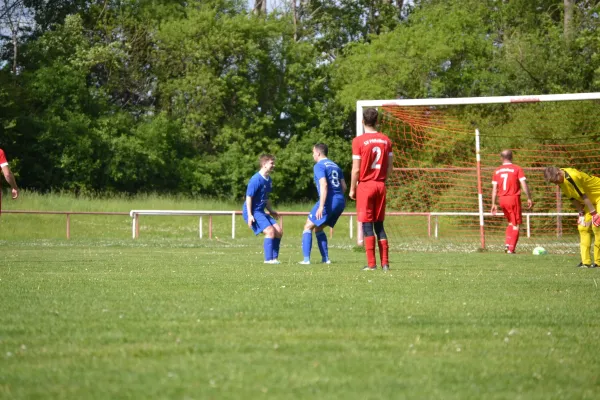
[331,186]
[257,199]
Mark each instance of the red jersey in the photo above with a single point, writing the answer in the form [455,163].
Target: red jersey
[507,179]
[3,161]
[373,149]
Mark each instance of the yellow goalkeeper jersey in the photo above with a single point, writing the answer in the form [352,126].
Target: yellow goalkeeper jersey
[577,183]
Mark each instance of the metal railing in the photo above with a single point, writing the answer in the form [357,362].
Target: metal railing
[66,213]
[432,219]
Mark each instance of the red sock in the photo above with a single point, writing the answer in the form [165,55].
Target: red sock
[383,252]
[508,236]
[370,249]
[515,239]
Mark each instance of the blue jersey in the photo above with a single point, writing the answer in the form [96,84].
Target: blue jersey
[334,175]
[259,188]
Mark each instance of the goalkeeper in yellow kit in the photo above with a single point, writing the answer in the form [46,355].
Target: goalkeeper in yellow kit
[584,191]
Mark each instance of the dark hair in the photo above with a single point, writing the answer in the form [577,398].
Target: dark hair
[370,116]
[264,158]
[322,148]
[551,174]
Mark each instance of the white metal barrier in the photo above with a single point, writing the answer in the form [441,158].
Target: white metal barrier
[431,225]
[527,216]
[135,214]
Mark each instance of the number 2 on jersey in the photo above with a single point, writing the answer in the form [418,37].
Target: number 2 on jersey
[377,151]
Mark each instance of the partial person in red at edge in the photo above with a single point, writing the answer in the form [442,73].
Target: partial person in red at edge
[507,182]
[371,166]
[10,178]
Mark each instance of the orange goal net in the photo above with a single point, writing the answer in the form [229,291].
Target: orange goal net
[445,152]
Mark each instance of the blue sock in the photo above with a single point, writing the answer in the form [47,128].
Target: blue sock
[276,243]
[268,246]
[306,244]
[322,243]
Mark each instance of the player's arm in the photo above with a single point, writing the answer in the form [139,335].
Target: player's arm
[269,208]
[588,204]
[354,177]
[344,186]
[322,197]
[390,166]
[525,188]
[580,210]
[10,178]
[591,209]
[249,209]
[494,209]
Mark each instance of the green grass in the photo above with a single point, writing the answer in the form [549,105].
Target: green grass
[179,318]
[171,316]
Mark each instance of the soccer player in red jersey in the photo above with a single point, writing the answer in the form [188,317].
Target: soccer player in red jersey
[8,175]
[371,166]
[507,182]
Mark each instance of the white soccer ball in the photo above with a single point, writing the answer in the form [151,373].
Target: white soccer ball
[539,251]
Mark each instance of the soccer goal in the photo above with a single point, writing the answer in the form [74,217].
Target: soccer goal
[445,151]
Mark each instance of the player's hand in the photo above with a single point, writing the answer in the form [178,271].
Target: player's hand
[595,218]
[581,219]
[352,194]
[274,214]
[319,213]
[15,193]
[529,203]
[494,209]
[251,220]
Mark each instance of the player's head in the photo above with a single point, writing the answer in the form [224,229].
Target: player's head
[266,162]
[553,175]
[506,155]
[370,117]
[320,150]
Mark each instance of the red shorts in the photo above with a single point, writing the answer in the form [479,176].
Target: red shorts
[370,201]
[511,207]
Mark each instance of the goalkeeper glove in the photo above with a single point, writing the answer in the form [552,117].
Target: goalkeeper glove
[595,218]
[581,218]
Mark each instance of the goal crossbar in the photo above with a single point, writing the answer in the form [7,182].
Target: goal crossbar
[360,104]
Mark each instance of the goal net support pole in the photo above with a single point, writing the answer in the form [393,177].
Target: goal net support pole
[479,189]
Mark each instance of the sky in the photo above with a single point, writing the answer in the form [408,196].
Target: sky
[275,3]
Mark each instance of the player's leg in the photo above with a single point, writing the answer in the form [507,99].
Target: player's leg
[307,241]
[311,223]
[268,243]
[369,241]
[511,213]
[364,211]
[517,220]
[333,214]
[585,241]
[596,231]
[509,228]
[264,223]
[277,235]
[321,237]
[382,243]
[382,240]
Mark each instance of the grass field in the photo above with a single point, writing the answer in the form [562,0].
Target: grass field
[190,319]
[171,316]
